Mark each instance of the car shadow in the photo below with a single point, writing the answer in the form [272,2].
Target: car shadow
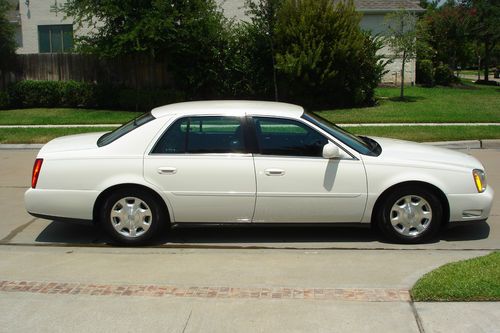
[79,234]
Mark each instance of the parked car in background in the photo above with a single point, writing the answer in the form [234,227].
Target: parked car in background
[241,162]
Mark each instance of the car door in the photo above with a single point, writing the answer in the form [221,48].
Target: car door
[296,184]
[202,166]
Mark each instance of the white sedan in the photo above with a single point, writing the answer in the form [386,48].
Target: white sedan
[240,162]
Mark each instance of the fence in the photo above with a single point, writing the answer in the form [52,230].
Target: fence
[127,71]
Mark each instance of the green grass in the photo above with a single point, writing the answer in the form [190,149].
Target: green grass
[430,133]
[475,279]
[58,116]
[412,133]
[42,135]
[439,104]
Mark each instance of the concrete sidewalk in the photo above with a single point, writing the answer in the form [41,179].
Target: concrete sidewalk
[89,272]
[192,290]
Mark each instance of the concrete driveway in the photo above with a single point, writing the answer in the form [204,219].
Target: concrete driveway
[56,277]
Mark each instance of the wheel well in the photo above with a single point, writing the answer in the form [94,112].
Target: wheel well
[100,199]
[430,187]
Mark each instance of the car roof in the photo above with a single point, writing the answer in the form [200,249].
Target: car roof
[234,108]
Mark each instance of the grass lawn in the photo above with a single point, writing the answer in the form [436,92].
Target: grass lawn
[42,135]
[430,133]
[438,104]
[64,116]
[475,279]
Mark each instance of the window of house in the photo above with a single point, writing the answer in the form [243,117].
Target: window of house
[202,135]
[55,38]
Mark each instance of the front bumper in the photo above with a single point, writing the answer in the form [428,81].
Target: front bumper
[470,207]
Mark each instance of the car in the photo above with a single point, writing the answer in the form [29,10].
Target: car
[249,162]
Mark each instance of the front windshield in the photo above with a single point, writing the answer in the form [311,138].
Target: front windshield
[341,134]
[122,130]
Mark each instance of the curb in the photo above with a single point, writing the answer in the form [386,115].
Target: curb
[466,144]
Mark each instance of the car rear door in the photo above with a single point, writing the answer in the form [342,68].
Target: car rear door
[202,166]
[296,184]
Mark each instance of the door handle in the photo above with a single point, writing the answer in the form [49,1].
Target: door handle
[167,170]
[274,172]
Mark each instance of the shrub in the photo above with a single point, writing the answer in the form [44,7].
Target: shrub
[443,75]
[4,100]
[425,73]
[27,94]
[322,56]
[35,94]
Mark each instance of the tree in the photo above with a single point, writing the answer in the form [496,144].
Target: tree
[401,38]
[445,30]
[7,39]
[189,34]
[322,57]
[263,14]
[485,27]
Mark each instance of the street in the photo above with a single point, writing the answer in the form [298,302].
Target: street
[56,276]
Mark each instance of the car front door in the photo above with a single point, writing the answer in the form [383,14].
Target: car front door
[296,184]
[202,166]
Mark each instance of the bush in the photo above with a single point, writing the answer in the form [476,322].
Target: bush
[27,94]
[443,75]
[323,58]
[425,73]
[4,100]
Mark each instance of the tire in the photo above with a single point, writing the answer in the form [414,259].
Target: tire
[410,215]
[131,216]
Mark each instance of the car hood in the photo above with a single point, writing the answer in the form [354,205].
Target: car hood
[72,143]
[418,153]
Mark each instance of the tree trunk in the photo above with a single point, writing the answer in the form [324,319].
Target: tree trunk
[402,95]
[275,83]
[486,61]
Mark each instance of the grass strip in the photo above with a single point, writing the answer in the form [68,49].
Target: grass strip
[426,105]
[64,116]
[429,133]
[411,133]
[475,279]
[42,135]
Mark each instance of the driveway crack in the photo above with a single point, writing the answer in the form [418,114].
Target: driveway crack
[16,231]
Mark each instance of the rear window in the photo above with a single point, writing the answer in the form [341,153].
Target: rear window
[107,138]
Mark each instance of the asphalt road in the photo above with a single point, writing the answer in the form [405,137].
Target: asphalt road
[59,277]
[18,227]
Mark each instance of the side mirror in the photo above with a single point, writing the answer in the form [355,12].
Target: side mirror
[331,151]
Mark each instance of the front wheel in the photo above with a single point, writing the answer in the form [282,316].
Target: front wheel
[410,215]
[131,216]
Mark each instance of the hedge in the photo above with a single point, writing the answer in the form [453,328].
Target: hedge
[29,93]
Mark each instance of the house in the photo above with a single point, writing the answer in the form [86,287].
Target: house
[42,28]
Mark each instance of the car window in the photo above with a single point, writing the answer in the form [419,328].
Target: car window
[202,135]
[107,138]
[287,137]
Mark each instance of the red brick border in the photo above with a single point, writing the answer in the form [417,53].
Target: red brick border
[340,294]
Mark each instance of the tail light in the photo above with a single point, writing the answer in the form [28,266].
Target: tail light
[36,171]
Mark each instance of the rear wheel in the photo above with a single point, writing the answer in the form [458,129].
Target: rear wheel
[131,216]
[410,215]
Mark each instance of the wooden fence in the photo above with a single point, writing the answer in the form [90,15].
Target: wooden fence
[128,71]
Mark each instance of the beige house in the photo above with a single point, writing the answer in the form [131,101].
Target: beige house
[42,28]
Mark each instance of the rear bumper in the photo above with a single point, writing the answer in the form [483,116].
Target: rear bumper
[61,204]
[470,207]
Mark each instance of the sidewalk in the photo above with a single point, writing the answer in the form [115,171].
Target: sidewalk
[194,290]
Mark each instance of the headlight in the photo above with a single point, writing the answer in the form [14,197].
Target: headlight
[479,179]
